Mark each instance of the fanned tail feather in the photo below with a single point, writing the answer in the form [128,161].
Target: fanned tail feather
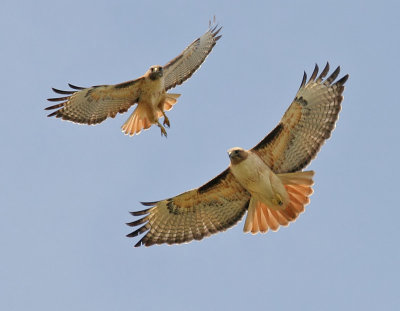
[136,122]
[261,217]
[139,119]
[170,101]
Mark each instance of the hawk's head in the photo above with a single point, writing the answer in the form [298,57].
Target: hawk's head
[155,72]
[237,155]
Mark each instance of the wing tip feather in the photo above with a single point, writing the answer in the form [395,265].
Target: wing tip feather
[314,73]
[75,87]
[342,80]
[303,81]
[140,213]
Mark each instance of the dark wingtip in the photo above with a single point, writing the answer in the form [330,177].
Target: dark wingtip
[137,222]
[333,76]
[54,107]
[324,72]
[138,244]
[75,87]
[130,235]
[314,74]
[214,33]
[139,213]
[137,232]
[303,82]
[53,114]
[149,203]
[342,80]
[57,99]
[62,92]
[143,241]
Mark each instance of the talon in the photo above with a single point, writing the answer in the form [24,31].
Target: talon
[163,131]
[166,121]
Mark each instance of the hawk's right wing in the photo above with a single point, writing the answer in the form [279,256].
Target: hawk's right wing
[94,104]
[193,215]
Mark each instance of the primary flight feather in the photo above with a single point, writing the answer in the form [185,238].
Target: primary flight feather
[94,104]
[267,181]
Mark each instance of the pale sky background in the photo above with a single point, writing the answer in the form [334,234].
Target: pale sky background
[66,189]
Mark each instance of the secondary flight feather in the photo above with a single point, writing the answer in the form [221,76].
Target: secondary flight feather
[94,104]
[267,181]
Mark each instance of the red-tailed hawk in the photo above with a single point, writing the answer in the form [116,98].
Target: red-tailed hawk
[94,104]
[266,180]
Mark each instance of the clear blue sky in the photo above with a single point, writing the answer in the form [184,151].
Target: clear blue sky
[65,190]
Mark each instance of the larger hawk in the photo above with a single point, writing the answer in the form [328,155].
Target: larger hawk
[94,104]
[267,180]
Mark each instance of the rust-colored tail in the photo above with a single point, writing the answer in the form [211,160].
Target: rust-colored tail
[170,101]
[261,218]
[139,119]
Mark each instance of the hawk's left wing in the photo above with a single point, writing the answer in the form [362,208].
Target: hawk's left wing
[306,124]
[193,215]
[185,64]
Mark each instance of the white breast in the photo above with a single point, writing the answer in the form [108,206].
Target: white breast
[257,178]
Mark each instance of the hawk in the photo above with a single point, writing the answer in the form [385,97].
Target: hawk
[94,104]
[267,180]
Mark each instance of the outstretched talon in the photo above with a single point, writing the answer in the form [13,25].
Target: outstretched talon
[166,120]
[163,131]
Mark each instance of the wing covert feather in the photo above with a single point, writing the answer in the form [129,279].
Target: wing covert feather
[193,215]
[306,124]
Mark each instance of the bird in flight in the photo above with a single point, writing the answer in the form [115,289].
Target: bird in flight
[267,181]
[94,104]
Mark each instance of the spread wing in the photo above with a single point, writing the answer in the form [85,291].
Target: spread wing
[193,215]
[94,104]
[184,65]
[306,124]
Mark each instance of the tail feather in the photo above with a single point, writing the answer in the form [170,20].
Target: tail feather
[255,227]
[278,216]
[136,122]
[298,207]
[261,217]
[289,213]
[273,222]
[297,178]
[170,101]
[248,224]
[298,196]
[262,221]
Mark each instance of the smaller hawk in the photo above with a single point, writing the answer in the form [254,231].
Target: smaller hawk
[267,181]
[94,104]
